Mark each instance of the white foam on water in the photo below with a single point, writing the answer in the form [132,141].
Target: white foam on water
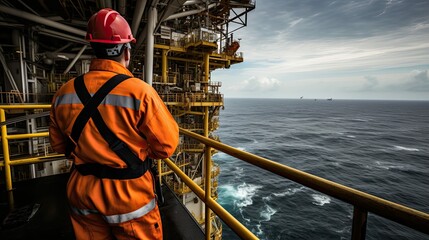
[244,194]
[351,136]
[400,148]
[289,192]
[259,231]
[320,200]
[388,166]
[241,195]
[360,120]
[267,213]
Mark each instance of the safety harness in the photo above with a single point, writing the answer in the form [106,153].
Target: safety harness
[135,166]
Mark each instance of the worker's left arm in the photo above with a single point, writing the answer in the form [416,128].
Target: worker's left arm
[159,127]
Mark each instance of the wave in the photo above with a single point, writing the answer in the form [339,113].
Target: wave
[241,195]
[288,192]
[266,213]
[351,136]
[320,200]
[406,148]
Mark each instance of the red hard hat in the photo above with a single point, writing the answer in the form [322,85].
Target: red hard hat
[108,26]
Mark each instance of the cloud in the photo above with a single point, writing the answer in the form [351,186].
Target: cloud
[355,46]
[419,81]
[370,84]
[253,84]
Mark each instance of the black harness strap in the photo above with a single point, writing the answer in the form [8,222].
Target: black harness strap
[135,166]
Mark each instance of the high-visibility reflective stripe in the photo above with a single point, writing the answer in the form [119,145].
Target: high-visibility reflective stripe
[111,99]
[67,99]
[119,218]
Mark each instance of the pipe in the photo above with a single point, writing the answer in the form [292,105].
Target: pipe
[29,8]
[41,20]
[137,17]
[66,56]
[75,59]
[191,2]
[148,65]
[122,7]
[172,7]
[60,35]
[191,12]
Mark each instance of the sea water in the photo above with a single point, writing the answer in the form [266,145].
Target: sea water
[380,147]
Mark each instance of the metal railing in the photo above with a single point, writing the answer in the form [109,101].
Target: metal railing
[5,137]
[362,202]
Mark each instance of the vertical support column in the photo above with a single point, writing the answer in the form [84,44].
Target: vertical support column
[6,156]
[159,170]
[207,155]
[23,68]
[359,223]
[206,73]
[164,65]
[148,65]
[208,166]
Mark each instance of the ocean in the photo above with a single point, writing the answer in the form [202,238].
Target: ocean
[380,147]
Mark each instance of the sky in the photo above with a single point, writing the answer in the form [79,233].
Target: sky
[343,49]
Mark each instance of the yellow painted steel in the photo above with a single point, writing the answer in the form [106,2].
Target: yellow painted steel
[207,153]
[29,106]
[6,156]
[404,215]
[208,166]
[33,160]
[158,163]
[164,65]
[235,225]
[7,163]
[28,135]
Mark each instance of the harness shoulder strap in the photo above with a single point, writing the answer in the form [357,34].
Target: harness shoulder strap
[135,166]
[90,103]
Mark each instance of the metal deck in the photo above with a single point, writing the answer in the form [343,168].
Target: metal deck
[51,221]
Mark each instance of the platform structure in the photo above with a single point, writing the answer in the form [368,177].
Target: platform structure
[179,44]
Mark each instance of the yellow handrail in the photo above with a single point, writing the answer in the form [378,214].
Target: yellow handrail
[7,162]
[363,202]
[236,226]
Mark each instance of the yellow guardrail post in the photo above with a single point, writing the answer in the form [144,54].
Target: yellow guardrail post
[6,156]
[235,225]
[208,166]
[359,223]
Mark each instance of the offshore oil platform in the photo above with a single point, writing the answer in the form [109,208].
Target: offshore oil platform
[179,44]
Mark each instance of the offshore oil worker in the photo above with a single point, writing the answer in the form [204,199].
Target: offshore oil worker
[110,124]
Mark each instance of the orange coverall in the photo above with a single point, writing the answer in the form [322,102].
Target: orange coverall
[103,208]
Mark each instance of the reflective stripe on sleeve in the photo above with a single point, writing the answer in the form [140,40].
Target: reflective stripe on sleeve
[119,218]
